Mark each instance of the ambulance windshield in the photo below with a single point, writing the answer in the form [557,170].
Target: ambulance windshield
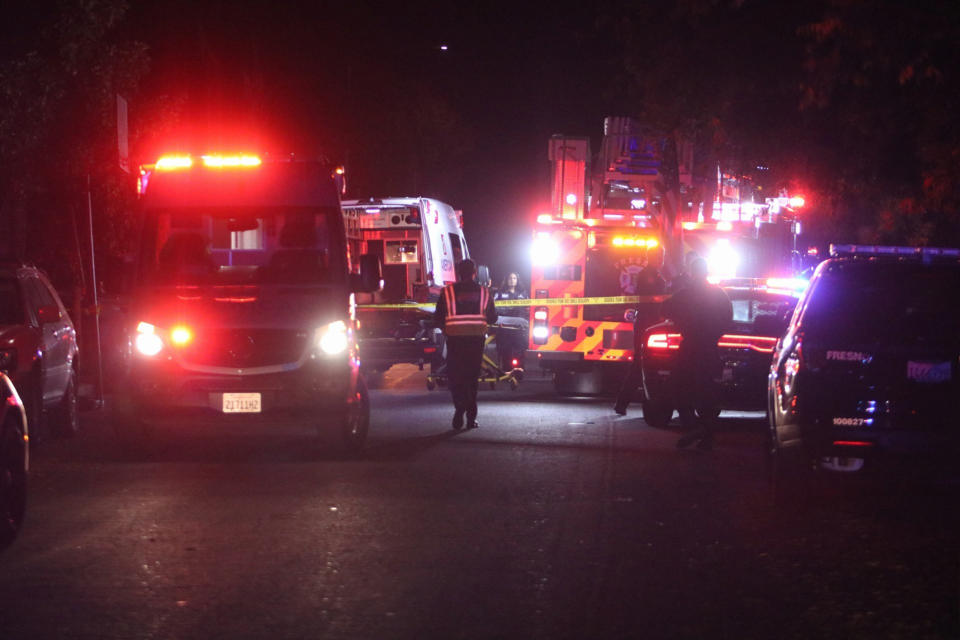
[242,245]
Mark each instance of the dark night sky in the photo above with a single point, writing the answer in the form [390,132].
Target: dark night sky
[310,76]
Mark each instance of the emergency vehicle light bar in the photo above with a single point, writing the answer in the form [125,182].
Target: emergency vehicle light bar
[211,161]
[837,250]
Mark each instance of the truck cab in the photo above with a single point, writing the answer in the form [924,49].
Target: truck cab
[243,309]
[419,241]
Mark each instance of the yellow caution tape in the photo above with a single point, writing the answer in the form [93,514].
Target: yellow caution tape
[530,302]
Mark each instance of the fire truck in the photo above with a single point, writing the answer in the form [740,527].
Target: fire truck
[419,242]
[746,235]
[589,249]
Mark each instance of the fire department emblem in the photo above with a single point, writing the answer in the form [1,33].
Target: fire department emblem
[629,271]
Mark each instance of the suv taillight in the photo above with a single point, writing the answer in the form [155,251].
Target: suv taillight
[664,341]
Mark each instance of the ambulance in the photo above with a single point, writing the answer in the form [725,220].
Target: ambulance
[419,242]
[242,307]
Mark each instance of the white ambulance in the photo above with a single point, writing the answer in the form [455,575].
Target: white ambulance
[420,241]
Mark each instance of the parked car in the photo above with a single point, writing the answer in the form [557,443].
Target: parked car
[865,385]
[38,350]
[14,461]
[761,309]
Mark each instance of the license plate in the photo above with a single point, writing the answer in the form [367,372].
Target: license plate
[930,372]
[241,403]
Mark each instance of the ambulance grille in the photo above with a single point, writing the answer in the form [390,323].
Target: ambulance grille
[245,348]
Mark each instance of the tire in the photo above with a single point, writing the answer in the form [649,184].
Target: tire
[657,414]
[791,482]
[66,418]
[37,425]
[13,481]
[355,423]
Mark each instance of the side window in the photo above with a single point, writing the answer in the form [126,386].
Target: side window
[34,295]
[457,248]
[47,292]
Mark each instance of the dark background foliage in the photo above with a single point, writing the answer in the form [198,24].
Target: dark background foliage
[852,102]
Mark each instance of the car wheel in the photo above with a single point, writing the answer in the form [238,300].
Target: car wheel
[66,420]
[13,481]
[657,413]
[790,481]
[356,421]
[33,406]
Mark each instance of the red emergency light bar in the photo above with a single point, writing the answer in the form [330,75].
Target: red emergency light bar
[210,161]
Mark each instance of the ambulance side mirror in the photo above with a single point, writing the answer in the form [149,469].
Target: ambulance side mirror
[370,278]
[483,276]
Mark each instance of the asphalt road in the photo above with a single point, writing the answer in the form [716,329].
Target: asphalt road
[554,519]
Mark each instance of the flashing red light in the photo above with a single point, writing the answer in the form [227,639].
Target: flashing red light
[172,163]
[181,335]
[797,201]
[852,443]
[664,341]
[763,344]
[515,362]
[216,161]
[429,349]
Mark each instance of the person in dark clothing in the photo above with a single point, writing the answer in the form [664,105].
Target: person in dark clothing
[682,280]
[702,313]
[513,324]
[649,282]
[463,312]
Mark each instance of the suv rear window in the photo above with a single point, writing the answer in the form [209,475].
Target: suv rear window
[901,302]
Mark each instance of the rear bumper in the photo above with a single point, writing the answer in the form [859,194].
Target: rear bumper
[885,457]
[742,386]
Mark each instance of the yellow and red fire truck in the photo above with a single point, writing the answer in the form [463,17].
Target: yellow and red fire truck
[587,254]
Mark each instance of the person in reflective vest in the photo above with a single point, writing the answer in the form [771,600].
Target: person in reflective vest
[463,312]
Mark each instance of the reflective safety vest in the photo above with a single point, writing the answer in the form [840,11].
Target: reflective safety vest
[466,324]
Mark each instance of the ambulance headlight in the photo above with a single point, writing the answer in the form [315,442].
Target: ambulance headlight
[332,339]
[544,251]
[147,341]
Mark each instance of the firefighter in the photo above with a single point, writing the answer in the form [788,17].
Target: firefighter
[649,282]
[702,312]
[463,312]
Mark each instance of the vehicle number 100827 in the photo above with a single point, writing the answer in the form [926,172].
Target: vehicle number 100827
[241,403]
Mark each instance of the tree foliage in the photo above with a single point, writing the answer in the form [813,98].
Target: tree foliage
[58,124]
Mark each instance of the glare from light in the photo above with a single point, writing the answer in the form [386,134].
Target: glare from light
[240,160]
[797,201]
[541,332]
[149,344]
[181,335]
[571,199]
[723,260]
[638,204]
[332,339]
[172,163]
[545,218]
[544,251]
[540,314]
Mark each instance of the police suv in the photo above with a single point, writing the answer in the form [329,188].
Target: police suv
[865,380]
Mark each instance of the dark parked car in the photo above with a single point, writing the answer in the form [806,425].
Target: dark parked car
[865,382]
[761,309]
[14,461]
[38,349]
